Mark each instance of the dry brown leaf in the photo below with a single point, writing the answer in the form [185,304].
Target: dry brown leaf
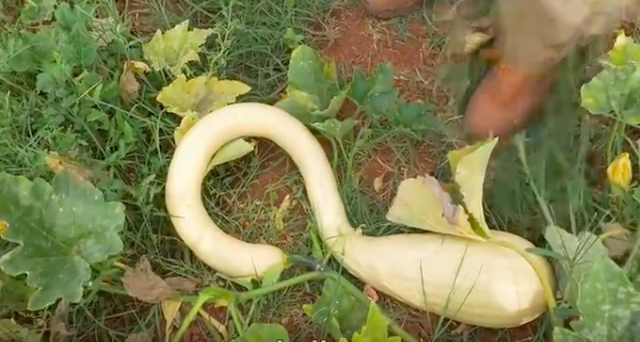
[371,293]
[170,311]
[58,325]
[617,239]
[462,329]
[443,11]
[139,337]
[184,284]
[143,284]
[129,85]
[377,183]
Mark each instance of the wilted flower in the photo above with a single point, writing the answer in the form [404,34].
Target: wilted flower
[619,171]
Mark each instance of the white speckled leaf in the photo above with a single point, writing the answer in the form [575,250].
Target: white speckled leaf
[566,335]
[607,303]
[61,229]
[581,250]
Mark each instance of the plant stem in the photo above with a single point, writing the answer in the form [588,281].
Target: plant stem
[237,297]
[541,202]
[238,323]
[263,291]
[191,315]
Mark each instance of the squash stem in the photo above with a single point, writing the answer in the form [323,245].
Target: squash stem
[237,297]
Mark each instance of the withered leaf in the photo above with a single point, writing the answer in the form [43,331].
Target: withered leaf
[143,284]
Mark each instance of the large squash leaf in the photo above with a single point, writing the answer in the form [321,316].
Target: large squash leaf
[61,229]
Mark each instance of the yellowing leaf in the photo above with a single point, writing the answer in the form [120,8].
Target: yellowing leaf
[129,85]
[378,182]
[473,41]
[231,151]
[201,94]
[282,212]
[175,48]
[58,163]
[185,124]
[214,323]
[170,311]
[469,167]
[421,203]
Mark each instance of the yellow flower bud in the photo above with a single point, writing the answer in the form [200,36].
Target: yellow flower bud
[619,171]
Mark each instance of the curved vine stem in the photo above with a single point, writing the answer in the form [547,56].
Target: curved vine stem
[214,294]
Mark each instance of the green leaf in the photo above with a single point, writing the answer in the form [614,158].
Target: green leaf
[375,94]
[272,274]
[581,251]
[375,329]
[292,39]
[28,51]
[335,129]
[175,48]
[379,99]
[337,310]
[607,302]
[14,292]
[313,93]
[264,332]
[12,331]
[53,78]
[615,90]
[35,11]
[61,228]
[69,18]
[565,335]
[415,116]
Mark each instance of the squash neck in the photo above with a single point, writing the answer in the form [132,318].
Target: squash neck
[259,120]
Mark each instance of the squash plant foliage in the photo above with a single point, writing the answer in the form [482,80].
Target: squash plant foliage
[604,296]
[57,234]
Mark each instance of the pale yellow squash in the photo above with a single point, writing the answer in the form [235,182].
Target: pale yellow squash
[474,282]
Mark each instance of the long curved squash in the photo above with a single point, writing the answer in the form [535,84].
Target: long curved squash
[473,282]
